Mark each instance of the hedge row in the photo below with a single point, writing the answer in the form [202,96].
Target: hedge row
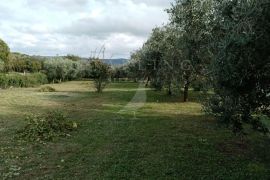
[22,80]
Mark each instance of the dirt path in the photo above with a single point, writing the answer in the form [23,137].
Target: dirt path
[137,101]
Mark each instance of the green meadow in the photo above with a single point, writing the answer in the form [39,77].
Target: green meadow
[122,138]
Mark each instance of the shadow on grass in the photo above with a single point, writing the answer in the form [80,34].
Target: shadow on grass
[162,97]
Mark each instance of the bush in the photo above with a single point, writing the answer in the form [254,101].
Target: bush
[229,111]
[46,127]
[47,89]
[38,78]
[100,72]
[20,80]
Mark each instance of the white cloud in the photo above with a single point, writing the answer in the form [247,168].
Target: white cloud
[79,26]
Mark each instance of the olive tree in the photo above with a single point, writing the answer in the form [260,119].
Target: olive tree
[241,67]
[133,67]
[157,59]
[192,19]
[119,72]
[60,69]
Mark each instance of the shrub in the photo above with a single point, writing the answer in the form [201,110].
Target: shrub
[47,89]
[229,112]
[38,78]
[100,72]
[46,127]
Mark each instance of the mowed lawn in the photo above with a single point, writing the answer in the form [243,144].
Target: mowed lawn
[163,139]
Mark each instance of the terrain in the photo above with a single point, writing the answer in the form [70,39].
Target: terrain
[127,132]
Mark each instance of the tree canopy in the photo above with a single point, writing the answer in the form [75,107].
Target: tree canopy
[222,45]
[241,67]
[4,51]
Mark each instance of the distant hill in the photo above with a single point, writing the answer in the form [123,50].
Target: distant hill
[113,62]
[120,61]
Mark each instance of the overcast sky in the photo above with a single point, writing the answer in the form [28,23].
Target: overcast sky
[51,27]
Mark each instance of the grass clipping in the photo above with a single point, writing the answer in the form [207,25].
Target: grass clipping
[46,127]
[47,89]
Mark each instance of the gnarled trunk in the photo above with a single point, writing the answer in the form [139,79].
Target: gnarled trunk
[186,89]
[170,89]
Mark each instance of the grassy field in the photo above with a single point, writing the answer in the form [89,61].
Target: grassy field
[161,139]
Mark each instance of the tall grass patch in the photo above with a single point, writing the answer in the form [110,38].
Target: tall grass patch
[22,80]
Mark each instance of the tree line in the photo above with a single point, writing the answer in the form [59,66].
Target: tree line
[222,46]
[56,69]
[21,70]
